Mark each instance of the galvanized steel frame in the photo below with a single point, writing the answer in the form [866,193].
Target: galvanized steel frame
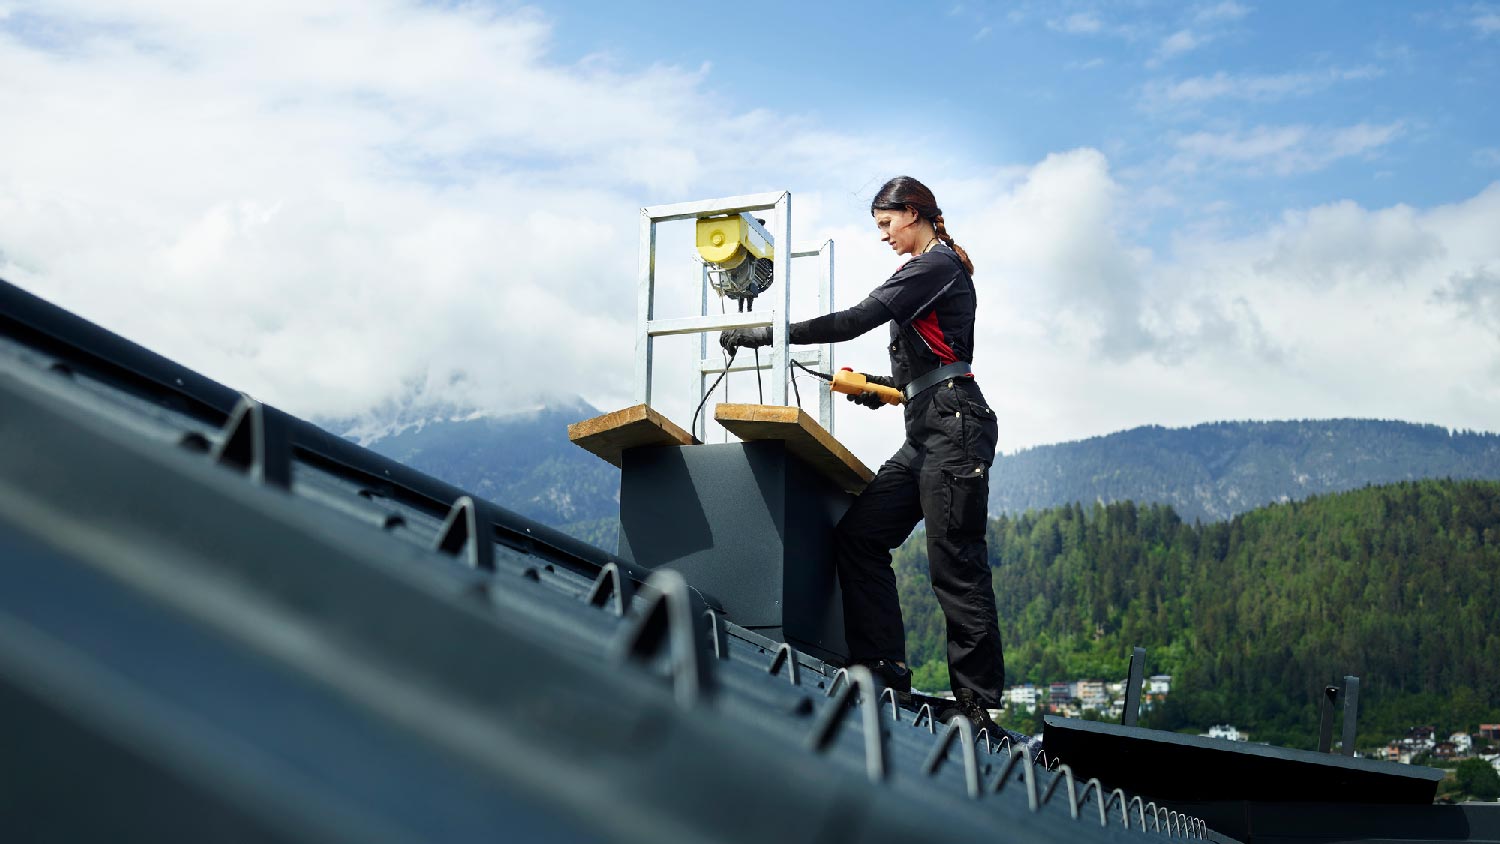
[648,327]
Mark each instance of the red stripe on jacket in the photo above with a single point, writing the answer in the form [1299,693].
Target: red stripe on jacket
[932,335]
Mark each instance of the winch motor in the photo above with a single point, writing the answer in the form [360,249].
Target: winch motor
[738,258]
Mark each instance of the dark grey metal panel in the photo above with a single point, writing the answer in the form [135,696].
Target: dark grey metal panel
[1371,823]
[1173,766]
[746,523]
[139,721]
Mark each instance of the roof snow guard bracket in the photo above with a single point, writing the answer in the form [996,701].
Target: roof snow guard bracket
[859,682]
[611,590]
[785,655]
[257,443]
[668,623]
[462,535]
[962,731]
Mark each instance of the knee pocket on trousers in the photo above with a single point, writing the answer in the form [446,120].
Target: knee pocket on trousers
[965,499]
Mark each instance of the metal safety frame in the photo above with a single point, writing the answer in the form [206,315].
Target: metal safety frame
[648,327]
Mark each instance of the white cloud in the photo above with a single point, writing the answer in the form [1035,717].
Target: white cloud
[1220,12]
[1078,23]
[1206,23]
[1254,87]
[330,208]
[1486,21]
[1283,150]
[381,205]
[1335,310]
[1179,42]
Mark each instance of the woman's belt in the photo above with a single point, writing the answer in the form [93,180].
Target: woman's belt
[935,377]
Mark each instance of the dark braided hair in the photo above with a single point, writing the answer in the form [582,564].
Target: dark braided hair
[905,192]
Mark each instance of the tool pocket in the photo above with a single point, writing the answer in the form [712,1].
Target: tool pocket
[979,431]
[967,494]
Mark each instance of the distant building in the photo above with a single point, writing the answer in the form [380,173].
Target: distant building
[1490,732]
[1227,732]
[1025,695]
[1159,684]
[1091,695]
[1462,743]
[1058,692]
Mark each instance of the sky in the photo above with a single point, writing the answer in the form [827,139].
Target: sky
[374,209]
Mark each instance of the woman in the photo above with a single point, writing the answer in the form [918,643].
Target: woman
[941,472]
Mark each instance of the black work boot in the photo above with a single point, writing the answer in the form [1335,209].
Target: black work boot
[968,705]
[895,677]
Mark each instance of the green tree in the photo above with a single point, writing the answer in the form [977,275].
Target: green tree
[1478,779]
[1395,584]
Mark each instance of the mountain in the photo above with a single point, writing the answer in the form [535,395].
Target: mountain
[1214,471]
[1395,584]
[521,460]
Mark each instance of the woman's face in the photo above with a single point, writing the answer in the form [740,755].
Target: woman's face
[901,230]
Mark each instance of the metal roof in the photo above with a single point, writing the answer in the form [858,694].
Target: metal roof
[218,621]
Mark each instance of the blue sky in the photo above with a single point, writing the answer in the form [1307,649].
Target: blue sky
[1011,82]
[1180,212]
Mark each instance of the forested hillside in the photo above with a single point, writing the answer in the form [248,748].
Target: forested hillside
[1213,471]
[1396,584]
[523,461]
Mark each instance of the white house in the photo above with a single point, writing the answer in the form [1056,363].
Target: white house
[1024,695]
[1226,731]
[1462,743]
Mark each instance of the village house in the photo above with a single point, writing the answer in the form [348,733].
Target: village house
[1228,732]
[1091,695]
[1463,744]
[1023,696]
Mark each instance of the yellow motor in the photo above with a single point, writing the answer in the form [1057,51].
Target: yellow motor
[739,260]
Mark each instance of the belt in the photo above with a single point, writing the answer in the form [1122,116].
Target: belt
[936,376]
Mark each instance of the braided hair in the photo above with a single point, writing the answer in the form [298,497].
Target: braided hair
[905,192]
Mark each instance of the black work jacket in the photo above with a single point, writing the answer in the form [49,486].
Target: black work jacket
[929,303]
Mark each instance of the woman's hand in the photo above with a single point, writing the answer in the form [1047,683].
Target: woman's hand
[749,338]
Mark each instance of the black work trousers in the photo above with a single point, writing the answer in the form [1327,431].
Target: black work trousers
[941,474]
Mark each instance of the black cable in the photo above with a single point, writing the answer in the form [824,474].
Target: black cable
[796,391]
[759,390]
[693,426]
[810,371]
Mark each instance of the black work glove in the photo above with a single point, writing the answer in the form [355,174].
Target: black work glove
[749,338]
[871,400]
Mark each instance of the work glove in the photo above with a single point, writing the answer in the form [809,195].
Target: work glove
[871,400]
[749,338]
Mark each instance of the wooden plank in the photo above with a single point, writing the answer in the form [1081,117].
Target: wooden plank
[609,435]
[804,437]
